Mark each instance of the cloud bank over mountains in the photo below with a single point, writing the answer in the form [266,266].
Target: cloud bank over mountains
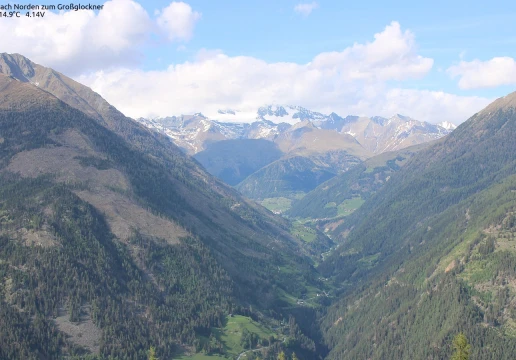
[478,74]
[104,51]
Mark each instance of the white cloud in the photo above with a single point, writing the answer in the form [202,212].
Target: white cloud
[82,39]
[353,81]
[306,9]
[484,74]
[433,106]
[178,21]
[77,41]
[391,56]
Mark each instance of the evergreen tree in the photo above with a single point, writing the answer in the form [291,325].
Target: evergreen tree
[152,353]
[461,347]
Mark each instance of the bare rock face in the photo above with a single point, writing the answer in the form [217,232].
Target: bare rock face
[17,66]
[62,87]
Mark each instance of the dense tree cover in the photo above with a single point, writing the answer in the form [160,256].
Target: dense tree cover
[430,254]
[403,321]
[249,340]
[469,160]
[24,338]
[140,292]
[190,292]
[461,347]
[232,228]
[285,177]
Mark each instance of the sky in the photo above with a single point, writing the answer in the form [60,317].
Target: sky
[433,61]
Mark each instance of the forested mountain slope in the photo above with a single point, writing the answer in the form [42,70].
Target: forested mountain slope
[433,252]
[133,248]
[343,194]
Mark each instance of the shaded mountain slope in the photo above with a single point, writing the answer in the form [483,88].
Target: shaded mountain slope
[92,104]
[285,177]
[155,146]
[233,160]
[469,160]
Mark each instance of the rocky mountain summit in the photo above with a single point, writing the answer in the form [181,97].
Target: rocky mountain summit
[376,134]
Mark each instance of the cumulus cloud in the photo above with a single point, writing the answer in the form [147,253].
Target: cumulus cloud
[353,81]
[391,56]
[101,49]
[484,74]
[306,9]
[79,41]
[178,21]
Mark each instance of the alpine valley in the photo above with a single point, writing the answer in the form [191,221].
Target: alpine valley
[288,151]
[116,243]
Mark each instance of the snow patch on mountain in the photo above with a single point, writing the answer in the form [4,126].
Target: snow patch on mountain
[288,114]
[377,134]
[447,125]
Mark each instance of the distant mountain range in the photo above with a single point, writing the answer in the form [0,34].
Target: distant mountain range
[377,134]
[299,148]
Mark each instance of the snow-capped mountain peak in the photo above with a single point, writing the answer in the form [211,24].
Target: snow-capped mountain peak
[287,114]
[447,125]
[376,134]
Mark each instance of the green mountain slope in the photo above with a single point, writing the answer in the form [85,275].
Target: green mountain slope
[432,253]
[234,160]
[343,194]
[108,249]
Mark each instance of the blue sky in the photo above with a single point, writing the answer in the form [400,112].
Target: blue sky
[272,31]
[459,42]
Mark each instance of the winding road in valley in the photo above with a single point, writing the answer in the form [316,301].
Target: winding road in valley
[248,351]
